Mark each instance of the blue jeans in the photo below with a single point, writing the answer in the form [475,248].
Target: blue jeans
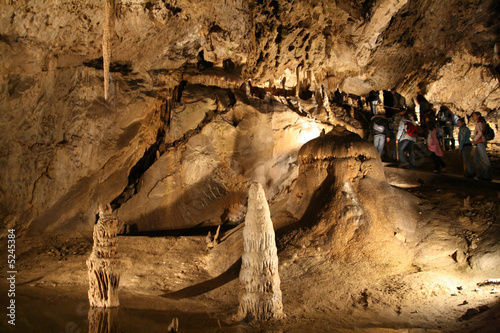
[406,145]
[379,142]
[482,161]
[373,106]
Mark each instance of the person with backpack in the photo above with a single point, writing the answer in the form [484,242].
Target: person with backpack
[379,129]
[465,148]
[406,138]
[481,159]
[445,119]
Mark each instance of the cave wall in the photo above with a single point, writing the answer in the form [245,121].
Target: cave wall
[64,148]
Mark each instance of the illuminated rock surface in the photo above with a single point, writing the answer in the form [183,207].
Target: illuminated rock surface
[204,97]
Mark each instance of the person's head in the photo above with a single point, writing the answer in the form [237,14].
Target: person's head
[461,122]
[476,115]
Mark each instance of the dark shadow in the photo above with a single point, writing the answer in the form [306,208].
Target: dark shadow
[194,231]
[319,199]
[206,286]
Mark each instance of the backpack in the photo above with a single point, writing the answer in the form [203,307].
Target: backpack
[411,129]
[378,128]
[489,134]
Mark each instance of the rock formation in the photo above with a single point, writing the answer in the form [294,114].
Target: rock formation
[261,295]
[102,264]
[166,110]
[360,217]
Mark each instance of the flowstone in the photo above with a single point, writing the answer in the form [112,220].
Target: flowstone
[103,261]
[357,215]
[261,295]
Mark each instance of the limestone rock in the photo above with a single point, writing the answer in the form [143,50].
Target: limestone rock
[342,185]
[70,149]
[239,144]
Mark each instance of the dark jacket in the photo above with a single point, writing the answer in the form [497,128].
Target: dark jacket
[445,116]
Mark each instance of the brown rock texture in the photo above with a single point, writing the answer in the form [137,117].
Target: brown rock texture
[360,217]
[179,68]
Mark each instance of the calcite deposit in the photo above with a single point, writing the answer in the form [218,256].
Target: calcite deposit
[103,263]
[261,295]
[358,216]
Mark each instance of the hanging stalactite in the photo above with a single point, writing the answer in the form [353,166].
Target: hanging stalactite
[106,42]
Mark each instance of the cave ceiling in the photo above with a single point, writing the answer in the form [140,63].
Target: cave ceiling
[356,46]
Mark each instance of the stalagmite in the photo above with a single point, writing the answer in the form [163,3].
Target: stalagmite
[106,43]
[261,295]
[103,261]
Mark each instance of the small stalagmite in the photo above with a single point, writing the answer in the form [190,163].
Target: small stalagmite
[103,261]
[261,295]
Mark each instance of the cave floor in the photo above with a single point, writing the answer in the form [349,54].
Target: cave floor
[169,276]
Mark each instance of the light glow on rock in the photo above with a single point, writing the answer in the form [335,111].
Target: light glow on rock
[308,132]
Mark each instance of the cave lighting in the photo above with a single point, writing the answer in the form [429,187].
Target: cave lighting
[308,132]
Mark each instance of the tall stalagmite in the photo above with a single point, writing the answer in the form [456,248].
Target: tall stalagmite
[261,295]
[103,262]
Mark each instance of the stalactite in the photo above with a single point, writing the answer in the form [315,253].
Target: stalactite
[106,42]
[261,295]
[103,261]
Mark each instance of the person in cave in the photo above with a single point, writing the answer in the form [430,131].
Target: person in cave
[445,119]
[481,159]
[373,99]
[425,107]
[394,127]
[405,143]
[379,129]
[388,103]
[431,112]
[399,100]
[433,144]
[465,148]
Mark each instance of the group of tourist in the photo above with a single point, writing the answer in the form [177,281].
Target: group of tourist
[398,128]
